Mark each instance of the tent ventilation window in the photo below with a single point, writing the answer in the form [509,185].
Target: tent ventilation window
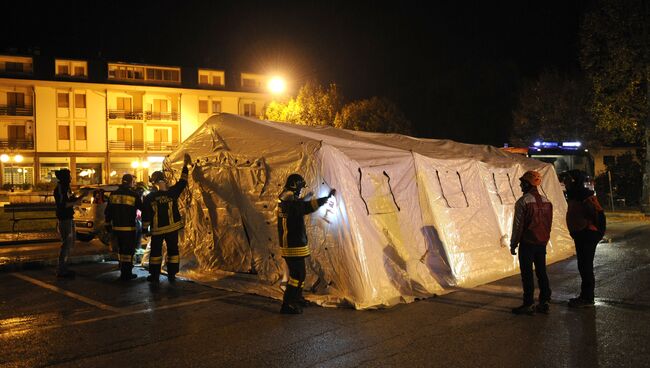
[451,187]
[376,192]
[503,188]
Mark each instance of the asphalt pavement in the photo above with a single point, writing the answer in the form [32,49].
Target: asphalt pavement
[97,321]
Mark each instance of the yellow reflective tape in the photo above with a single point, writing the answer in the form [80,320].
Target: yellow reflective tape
[293,282]
[155,260]
[284,232]
[173,259]
[167,229]
[125,258]
[154,206]
[295,251]
[122,199]
[124,228]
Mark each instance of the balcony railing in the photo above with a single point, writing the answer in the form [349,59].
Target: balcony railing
[16,110]
[161,146]
[153,115]
[124,114]
[126,145]
[17,144]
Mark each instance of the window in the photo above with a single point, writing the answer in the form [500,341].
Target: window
[161,135]
[160,105]
[249,83]
[64,132]
[80,100]
[451,186]
[216,80]
[80,132]
[62,100]
[16,132]
[203,106]
[163,75]
[62,70]
[11,66]
[124,134]
[203,79]
[79,71]
[125,72]
[124,103]
[503,188]
[16,99]
[376,191]
[249,109]
[211,77]
[216,107]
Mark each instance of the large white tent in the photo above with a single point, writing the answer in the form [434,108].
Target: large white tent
[411,218]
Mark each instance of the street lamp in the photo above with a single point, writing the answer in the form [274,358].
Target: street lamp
[277,85]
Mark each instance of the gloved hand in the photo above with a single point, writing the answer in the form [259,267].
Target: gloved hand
[513,250]
[332,193]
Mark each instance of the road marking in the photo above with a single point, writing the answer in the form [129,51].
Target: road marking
[67,293]
[119,314]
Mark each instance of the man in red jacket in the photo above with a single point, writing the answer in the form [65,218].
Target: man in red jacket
[531,230]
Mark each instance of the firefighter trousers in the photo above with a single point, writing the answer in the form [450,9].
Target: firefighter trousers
[297,273]
[126,242]
[173,259]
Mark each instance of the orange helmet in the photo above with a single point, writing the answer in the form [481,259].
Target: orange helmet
[532,177]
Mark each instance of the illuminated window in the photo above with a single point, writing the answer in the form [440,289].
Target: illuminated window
[124,103]
[71,68]
[62,70]
[16,132]
[249,109]
[211,77]
[80,132]
[79,71]
[203,79]
[63,100]
[216,107]
[16,99]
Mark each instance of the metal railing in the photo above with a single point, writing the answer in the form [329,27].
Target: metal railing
[12,110]
[126,145]
[155,115]
[161,146]
[17,144]
[125,114]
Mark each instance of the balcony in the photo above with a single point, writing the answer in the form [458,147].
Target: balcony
[126,145]
[161,146]
[12,110]
[154,115]
[22,144]
[124,114]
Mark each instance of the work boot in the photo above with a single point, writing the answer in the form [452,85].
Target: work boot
[580,302]
[290,309]
[154,280]
[128,277]
[543,307]
[524,309]
[171,278]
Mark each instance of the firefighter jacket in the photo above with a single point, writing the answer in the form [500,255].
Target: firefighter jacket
[122,207]
[533,219]
[291,223]
[161,208]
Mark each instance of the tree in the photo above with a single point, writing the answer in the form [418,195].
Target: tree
[373,115]
[626,180]
[314,105]
[615,42]
[553,108]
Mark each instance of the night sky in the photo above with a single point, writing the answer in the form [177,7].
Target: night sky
[454,68]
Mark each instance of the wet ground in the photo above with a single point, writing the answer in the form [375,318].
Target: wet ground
[96,321]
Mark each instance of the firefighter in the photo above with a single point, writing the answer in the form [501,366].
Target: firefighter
[293,238]
[120,216]
[162,216]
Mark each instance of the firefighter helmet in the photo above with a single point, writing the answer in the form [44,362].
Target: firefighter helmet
[63,175]
[128,179]
[157,176]
[532,177]
[295,182]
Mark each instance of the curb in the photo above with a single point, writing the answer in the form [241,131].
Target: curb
[17,264]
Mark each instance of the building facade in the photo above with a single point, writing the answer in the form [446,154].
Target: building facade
[126,119]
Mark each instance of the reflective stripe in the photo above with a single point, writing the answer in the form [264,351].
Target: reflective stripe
[173,259]
[122,199]
[314,203]
[155,260]
[284,233]
[124,228]
[125,258]
[154,206]
[170,214]
[293,282]
[167,229]
[295,251]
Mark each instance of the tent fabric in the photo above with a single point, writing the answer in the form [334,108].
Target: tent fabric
[412,217]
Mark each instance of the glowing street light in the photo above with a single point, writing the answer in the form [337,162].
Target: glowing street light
[277,85]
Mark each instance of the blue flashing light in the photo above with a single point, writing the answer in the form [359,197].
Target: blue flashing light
[537,144]
[571,144]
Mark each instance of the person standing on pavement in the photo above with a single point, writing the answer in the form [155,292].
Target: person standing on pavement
[293,239]
[65,203]
[531,230]
[120,217]
[162,215]
[586,223]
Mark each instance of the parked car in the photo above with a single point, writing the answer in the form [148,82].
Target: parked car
[89,214]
